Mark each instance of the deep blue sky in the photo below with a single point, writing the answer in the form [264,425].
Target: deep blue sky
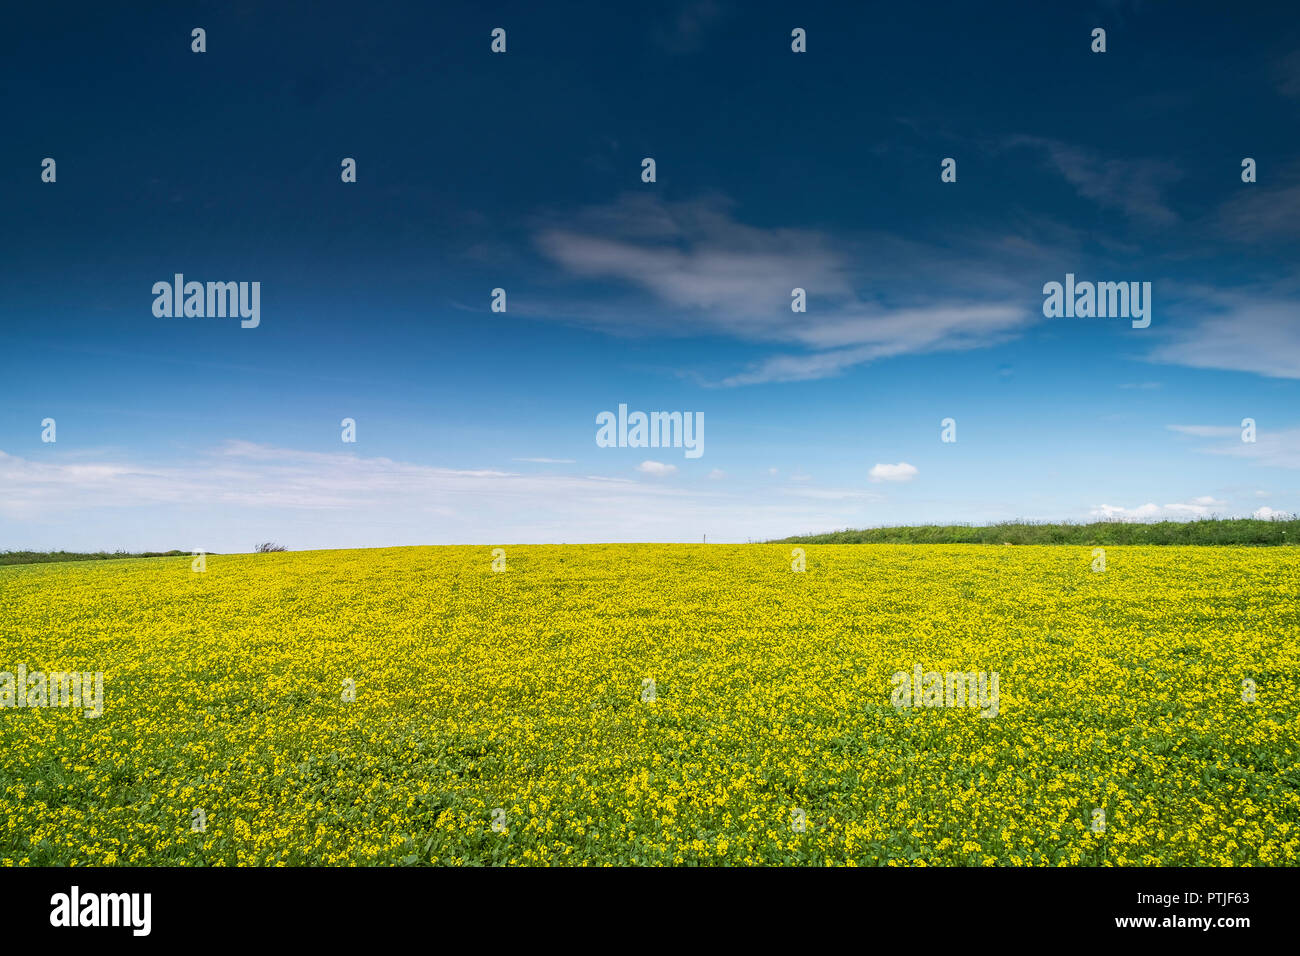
[522,171]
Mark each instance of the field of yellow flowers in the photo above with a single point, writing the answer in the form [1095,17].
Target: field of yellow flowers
[658,704]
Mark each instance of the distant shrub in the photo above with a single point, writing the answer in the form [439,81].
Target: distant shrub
[1281,529]
[41,557]
[266,547]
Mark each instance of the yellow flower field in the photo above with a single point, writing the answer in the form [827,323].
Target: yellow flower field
[657,704]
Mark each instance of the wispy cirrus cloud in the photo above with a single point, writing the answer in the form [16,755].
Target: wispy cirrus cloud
[247,474]
[1272,447]
[1261,212]
[712,274]
[832,494]
[1286,74]
[1240,331]
[1206,431]
[695,256]
[885,334]
[683,30]
[337,499]
[1133,186]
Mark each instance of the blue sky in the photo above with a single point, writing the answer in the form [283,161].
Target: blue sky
[522,171]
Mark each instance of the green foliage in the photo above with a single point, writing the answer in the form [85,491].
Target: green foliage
[40,557]
[1209,531]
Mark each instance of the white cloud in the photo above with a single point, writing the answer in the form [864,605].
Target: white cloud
[547,461]
[1267,513]
[1148,510]
[656,468]
[717,474]
[899,472]
[1201,506]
